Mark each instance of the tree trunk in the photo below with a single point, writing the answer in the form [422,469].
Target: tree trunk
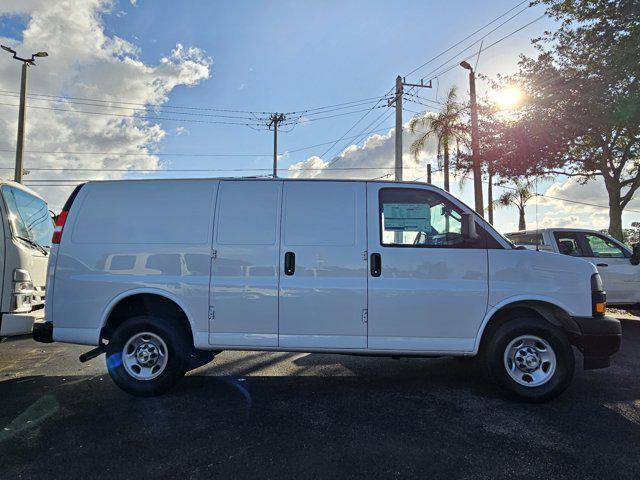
[615,222]
[615,210]
[522,225]
[446,165]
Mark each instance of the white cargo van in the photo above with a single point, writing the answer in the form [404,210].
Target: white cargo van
[160,274]
[26,228]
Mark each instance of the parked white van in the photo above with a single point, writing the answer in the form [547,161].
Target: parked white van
[26,227]
[157,272]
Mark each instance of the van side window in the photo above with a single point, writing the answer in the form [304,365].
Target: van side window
[419,218]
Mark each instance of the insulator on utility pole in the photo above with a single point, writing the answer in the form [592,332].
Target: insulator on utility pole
[274,120]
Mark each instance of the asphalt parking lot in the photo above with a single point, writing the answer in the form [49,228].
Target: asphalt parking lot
[249,415]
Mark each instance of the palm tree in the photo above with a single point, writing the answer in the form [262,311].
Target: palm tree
[446,126]
[518,197]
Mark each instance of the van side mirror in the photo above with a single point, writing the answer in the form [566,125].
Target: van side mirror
[635,256]
[469,227]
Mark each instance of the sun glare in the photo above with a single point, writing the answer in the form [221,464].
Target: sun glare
[507,98]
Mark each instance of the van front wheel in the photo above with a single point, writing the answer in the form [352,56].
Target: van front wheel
[147,356]
[529,359]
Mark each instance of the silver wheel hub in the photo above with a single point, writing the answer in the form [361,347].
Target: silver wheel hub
[530,360]
[144,356]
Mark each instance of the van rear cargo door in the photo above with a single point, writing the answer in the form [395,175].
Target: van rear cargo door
[323,279]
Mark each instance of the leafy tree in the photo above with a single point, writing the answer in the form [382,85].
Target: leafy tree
[582,114]
[446,126]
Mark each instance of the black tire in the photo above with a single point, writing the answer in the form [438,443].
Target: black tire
[178,348]
[493,358]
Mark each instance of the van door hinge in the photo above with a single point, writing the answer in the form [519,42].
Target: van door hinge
[214,254]
[365,315]
[212,313]
[365,255]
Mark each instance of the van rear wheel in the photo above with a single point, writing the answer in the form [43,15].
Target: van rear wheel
[147,355]
[529,359]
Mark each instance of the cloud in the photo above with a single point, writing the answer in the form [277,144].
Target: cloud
[593,192]
[375,158]
[86,62]
[181,131]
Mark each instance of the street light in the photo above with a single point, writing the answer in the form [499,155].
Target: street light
[475,148]
[21,113]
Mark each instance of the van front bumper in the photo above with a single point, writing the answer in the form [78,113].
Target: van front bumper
[43,332]
[599,338]
[19,323]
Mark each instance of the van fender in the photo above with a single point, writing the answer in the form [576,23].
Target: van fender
[510,301]
[155,291]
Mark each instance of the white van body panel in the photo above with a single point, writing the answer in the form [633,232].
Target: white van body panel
[217,249]
[324,303]
[244,275]
[515,274]
[109,252]
[427,299]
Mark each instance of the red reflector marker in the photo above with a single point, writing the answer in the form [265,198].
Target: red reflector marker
[57,230]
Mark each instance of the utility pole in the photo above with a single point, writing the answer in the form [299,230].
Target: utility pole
[26,62]
[397,100]
[274,120]
[475,141]
[429,173]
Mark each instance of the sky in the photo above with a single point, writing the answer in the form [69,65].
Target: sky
[200,65]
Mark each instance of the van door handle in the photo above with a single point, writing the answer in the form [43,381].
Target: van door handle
[289,263]
[602,264]
[376,264]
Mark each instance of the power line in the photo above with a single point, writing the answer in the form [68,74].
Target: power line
[354,125]
[456,63]
[136,117]
[548,196]
[161,110]
[150,105]
[465,38]
[366,100]
[171,154]
[134,154]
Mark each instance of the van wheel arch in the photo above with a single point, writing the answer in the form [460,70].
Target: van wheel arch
[546,311]
[147,304]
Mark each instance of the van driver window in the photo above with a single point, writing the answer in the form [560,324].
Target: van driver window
[419,218]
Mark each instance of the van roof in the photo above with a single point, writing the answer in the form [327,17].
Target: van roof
[266,179]
[19,186]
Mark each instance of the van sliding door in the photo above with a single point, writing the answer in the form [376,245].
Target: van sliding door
[323,267]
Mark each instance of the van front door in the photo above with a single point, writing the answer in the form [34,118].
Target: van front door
[244,273]
[428,287]
[323,279]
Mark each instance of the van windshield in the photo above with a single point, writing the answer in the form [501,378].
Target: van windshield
[28,215]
